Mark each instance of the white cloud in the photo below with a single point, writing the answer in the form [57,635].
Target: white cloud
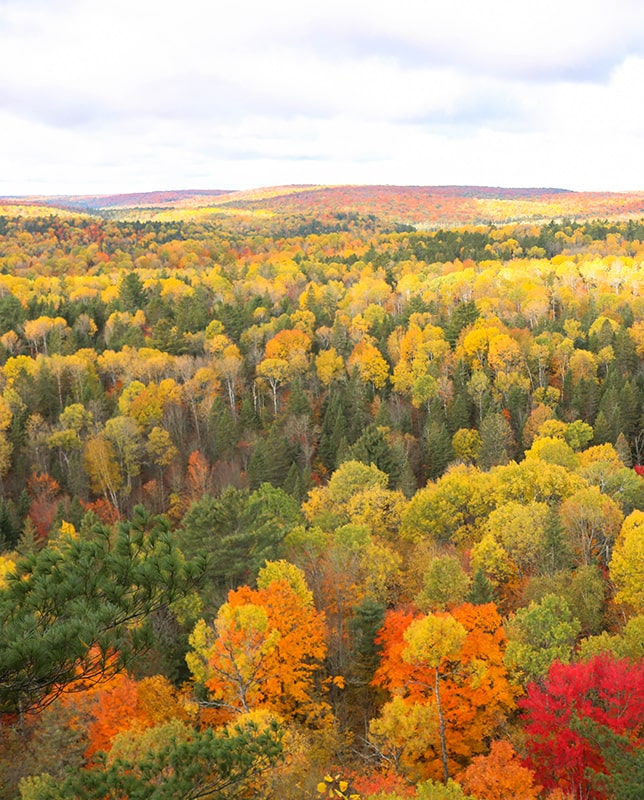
[146,94]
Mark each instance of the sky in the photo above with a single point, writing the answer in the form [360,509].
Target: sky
[109,96]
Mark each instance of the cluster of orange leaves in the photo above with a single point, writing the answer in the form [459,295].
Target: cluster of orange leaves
[476,694]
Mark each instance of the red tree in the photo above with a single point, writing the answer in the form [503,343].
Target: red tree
[608,691]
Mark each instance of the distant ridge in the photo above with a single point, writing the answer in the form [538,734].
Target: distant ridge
[418,206]
[126,200]
[172,196]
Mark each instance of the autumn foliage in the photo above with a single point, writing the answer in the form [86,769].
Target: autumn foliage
[396,431]
[605,690]
[264,650]
[455,667]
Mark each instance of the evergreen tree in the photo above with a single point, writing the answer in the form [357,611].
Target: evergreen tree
[623,450]
[497,441]
[624,762]
[238,531]
[556,552]
[367,620]
[297,483]
[334,429]
[8,531]
[270,460]
[602,430]
[131,292]
[437,447]
[355,407]
[585,399]
[191,312]
[481,590]
[298,403]
[81,610]
[249,419]
[625,351]
[629,402]
[222,430]
[459,411]
[204,764]
[168,338]
[464,314]
[373,448]
[567,392]
[12,313]
[610,407]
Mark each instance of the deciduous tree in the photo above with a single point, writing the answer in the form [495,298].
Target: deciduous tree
[604,690]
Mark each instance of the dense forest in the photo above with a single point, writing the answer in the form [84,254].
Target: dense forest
[321,501]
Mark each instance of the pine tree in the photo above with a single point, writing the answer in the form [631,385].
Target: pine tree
[355,407]
[367,620]
[29,541]
[602,430]
[249,419]
[463,315]
[131,292]
[481,590]
[623,450]
[222,430]
[298,403]
[497,441]
[8,532]
[271,460]
[629,405]
[81,609]
[372,448]
[334,429]
[556,552]
[585,399]
[438,450]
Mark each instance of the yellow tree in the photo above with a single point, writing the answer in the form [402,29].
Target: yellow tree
[102,467]
[276,372]
[451,510]
[329,366]
[627,563]
[430,641]
[592,521]
[286,356]
[368,360]
[6,447]
[38,331]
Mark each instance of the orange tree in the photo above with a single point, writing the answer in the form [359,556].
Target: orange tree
[263,650]
[453,664]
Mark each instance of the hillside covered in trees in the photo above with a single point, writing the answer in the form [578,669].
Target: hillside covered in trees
[322,492]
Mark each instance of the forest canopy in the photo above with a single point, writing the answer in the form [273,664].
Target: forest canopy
[321,500]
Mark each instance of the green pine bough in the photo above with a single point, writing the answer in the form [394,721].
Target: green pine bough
[78,610]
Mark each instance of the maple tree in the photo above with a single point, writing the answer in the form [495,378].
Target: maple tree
[500,775]
[454,663]
[604,690]
[264,649]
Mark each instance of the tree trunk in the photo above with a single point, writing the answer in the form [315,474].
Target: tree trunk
[441,727]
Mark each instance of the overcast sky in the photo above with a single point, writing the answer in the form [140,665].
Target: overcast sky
[134,95]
